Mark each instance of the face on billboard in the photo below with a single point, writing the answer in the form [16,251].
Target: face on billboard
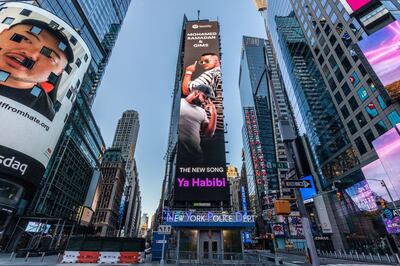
[352,6]
[200,170]
[42,63]
[382,52]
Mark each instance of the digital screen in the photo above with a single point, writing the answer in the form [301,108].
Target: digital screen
[387,167]
[352,6]
[381,49]
[308,193]
[42,64]
[36,227]
[201,163]
[362,196]
[391,221]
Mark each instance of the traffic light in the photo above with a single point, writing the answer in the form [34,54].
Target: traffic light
[339,196]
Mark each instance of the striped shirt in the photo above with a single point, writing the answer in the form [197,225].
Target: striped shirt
[212,78]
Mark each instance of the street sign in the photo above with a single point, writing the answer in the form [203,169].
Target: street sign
[297,184]
[164,229]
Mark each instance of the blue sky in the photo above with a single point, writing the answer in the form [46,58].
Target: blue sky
[141,76]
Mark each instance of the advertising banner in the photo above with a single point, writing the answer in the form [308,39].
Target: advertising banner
[42,63]
[382,53]
[386,168]
[322,214]
[201,163]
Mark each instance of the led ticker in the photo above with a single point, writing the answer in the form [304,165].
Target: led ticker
[260,169]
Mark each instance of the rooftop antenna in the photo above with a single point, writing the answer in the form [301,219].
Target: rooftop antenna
[198,15]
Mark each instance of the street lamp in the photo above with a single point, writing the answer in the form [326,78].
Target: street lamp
[387,190]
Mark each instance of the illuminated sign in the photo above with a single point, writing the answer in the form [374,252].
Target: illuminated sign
[391,220]
[37,87]
[352,6]
[200,173]
[259,165]
[362,196]
[208,219]
[381,49]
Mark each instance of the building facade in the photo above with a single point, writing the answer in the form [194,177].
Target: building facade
[80,147]
[264,101]
[111,188]
[125,138]
[326,34]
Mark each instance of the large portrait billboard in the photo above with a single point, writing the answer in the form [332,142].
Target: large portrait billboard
[381,49]
[42,63]
[201,163]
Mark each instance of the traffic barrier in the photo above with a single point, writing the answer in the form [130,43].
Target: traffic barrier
[109,257]
[88,257]
[130,257]
[106,257]
[70,257]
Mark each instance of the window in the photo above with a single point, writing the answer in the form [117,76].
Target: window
[73,40]
[339,51]
[369,136]
[361,119]
[46,51]
[4,75]
[346,89]
[354,79]
[371,85]
[360,145]
[394,118]
[362,94]
[85,57]
[346,64]
[338,97]
[53,78]
[381,102]
[36,30]
[26,12]
[380,127]
[352,127]
[353,103]
[345,111]
[62,46]
[362,70]
[78,62]
[371,110]
[69,93]
[8,21]
[68,69]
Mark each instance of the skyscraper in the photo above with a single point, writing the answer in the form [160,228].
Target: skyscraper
[111,188]
[265,155]
[125,138]
[321,36]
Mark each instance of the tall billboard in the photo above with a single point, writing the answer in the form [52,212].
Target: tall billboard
[381,49]
[201,163]
[42,63]
[352,6]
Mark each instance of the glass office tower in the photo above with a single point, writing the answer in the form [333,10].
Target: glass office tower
[324,32]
